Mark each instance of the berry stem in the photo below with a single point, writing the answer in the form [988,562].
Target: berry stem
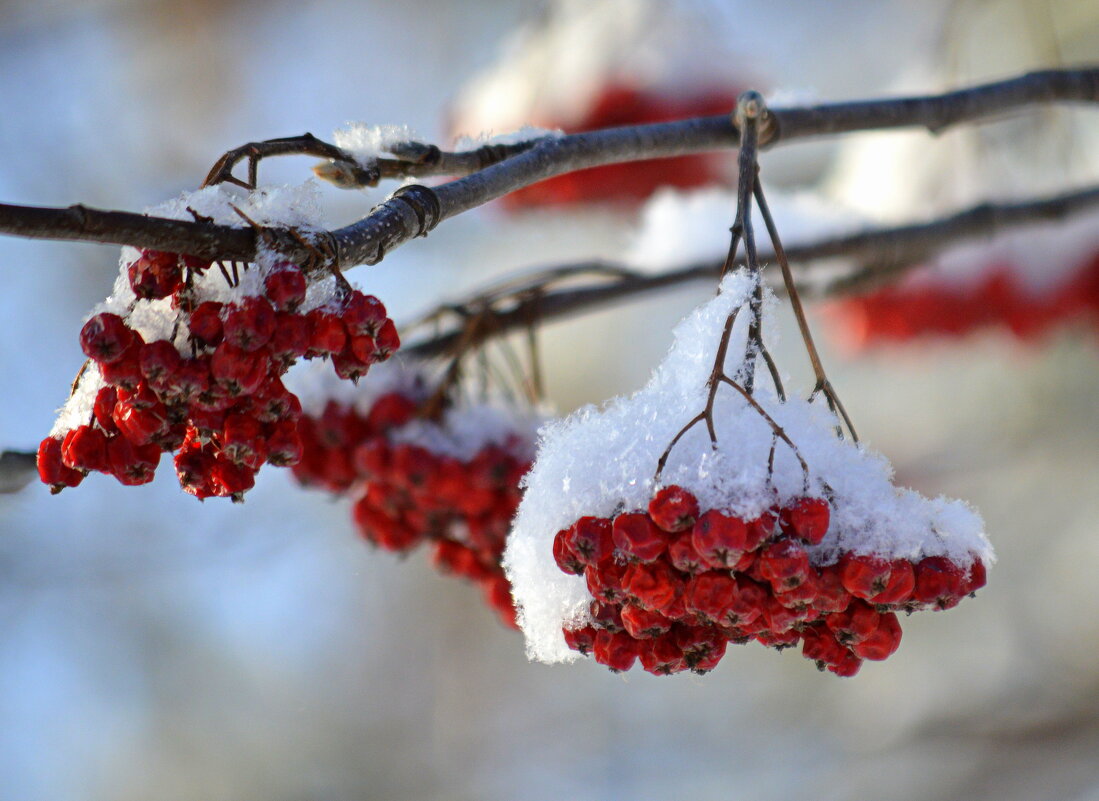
[823,385]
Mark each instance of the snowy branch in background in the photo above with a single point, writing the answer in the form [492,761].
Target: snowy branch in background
[414,211]
[882,254]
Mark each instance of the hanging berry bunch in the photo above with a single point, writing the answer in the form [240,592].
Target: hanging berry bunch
[423,468]
[187,357]
[1026,284]
[709,509]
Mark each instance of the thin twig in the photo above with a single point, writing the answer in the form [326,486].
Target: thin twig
[823,384]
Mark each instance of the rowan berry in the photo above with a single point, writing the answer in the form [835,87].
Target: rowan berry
[637,538]
[673,509]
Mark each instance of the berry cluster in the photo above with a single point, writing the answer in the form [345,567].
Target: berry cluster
[212,391]
[625,105]
[409,490]
[673,586]
[900,314]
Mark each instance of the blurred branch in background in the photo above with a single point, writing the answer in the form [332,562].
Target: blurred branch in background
[882,254]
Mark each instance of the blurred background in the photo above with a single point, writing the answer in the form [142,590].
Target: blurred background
[155,647]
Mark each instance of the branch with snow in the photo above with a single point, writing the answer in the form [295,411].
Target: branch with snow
[414,211]
[880,253]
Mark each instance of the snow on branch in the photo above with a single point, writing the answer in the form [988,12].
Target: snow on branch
[414,211]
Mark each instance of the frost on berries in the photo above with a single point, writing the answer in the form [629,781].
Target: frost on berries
[449,480]
[187,357]
[724,550]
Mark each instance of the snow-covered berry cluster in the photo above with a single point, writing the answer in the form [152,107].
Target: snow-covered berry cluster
[188,357]
[744,533]
[213,392]
[450,479]
[673,585]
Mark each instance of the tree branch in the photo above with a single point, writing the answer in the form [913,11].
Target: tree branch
[883,252]
[17,470]
[401,218]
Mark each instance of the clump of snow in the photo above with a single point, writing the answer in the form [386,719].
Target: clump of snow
[601,461]
[77,410]
[367,142]
[679,228]
[524,134]
[790,96]
[467,426]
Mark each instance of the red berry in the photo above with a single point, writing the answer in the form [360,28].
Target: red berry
[898,589]
[103,409]
[684,557]
[230,479]
[582,639]
[139,424]
[85,448]
[363,315]
[386,342]
[673,509]
[637,538]
[348,366]
[205,324]
[158,361]
[606,616]
[285,287]
[237,371]
[132,464]
[662,656]
[747,603]
[864,576]
[654,585]
[284,445]
[590,539]
[564,555]
[709,594]
[249,325]
[855,624]
[105,338]
[938,582]
[785,564]
[975,578]
[832,596]
[883,641]
[327,334]
[818,644]
[618,651]
[644,623]
[605,581]
[808,519]
[290,341]
[51,468]
[720,539]
[155,274]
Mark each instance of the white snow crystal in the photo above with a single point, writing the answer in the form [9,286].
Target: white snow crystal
[367,142]
[524,134]
[601,461]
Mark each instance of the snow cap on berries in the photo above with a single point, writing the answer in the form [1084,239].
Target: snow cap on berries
[601,462]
